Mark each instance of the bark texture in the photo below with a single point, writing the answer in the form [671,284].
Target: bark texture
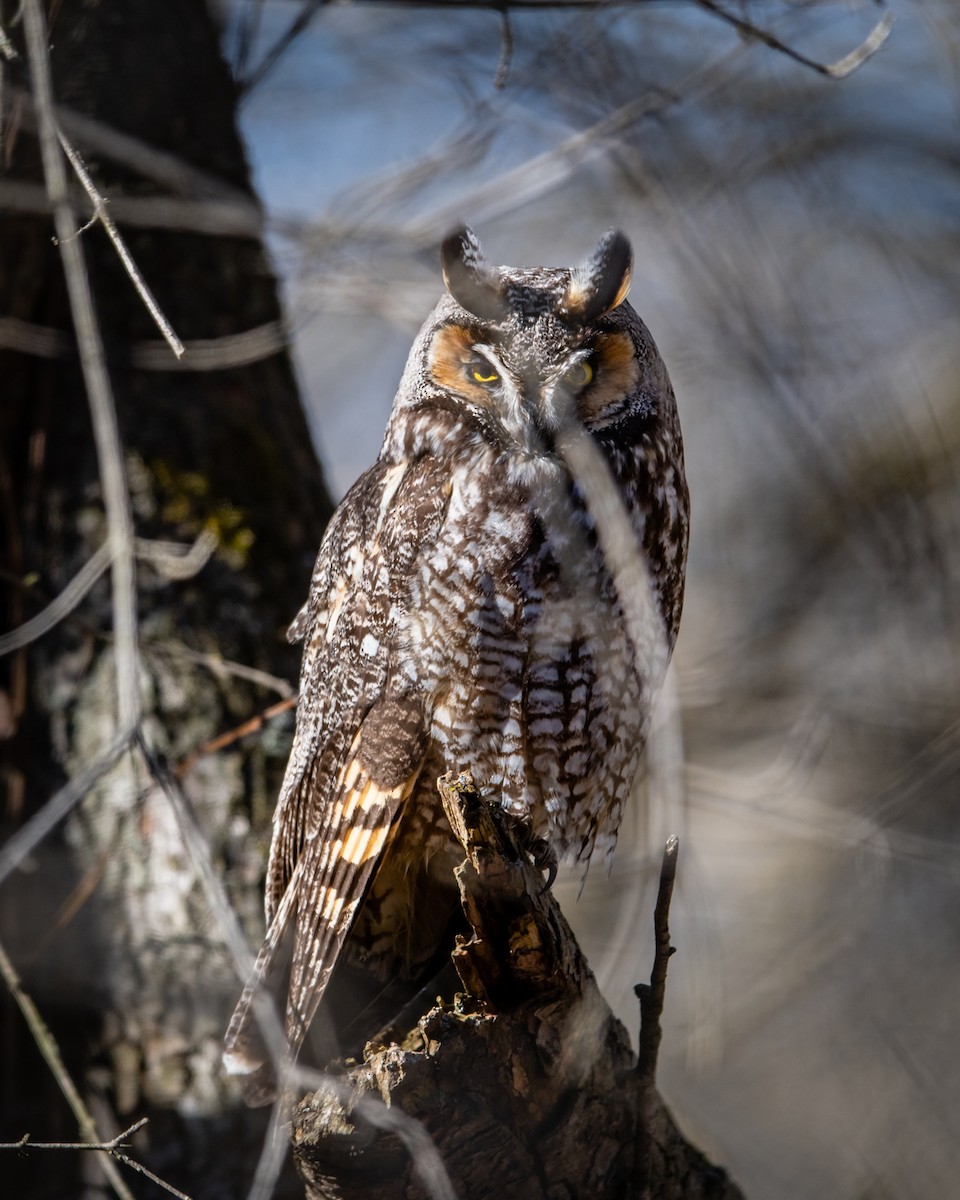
[108,927]
[526,1082]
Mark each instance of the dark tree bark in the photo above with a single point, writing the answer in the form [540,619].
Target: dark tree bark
[526,1083]
[108,927]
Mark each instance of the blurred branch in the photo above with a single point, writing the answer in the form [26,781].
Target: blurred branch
[283,43]
[200,354]
[96,381]
[62,606]
[27,838]
[212,216]
[160,166]
[310,8]
[838,70]
[233,735]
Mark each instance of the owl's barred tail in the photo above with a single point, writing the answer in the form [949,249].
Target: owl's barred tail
[255,1023]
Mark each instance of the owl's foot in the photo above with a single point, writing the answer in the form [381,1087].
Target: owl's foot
[544,858]
[538,849]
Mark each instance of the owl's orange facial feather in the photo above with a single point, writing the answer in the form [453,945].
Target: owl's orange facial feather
[455,366]
[616,374]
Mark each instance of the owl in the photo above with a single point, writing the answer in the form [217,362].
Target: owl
[464,613]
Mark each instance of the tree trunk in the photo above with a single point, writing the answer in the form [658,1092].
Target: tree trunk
[526,1082]
[108,927]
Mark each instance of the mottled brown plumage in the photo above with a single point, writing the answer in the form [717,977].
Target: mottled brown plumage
[462,615]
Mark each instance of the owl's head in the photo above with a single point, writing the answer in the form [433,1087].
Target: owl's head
[528,349]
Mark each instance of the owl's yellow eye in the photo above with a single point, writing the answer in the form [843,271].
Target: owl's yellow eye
[484,374]
[579,375]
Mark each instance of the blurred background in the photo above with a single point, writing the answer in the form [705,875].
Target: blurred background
[797,246]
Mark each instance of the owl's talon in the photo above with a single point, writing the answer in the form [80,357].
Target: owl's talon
[544,859]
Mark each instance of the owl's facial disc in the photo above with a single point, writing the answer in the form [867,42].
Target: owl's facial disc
[530,400]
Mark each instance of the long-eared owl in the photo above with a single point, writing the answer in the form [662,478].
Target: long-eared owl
[463,614]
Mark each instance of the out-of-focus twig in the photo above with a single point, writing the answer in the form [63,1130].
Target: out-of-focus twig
[200,354]
[233,735]
[223,667]
[26,839]
[176,561]
[96,381]
[62,606]
[838,70]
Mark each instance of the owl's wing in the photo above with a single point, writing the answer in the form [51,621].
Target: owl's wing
[357,752]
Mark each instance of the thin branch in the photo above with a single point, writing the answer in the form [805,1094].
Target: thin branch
[103,413]
[281,46]
[47,1045]
[506,50]
[839,70]
[160,166]
[61,607]
[112,1147]
[224,667]
[27,1143]
[220,218]
[135,1166]
[138,281]
[200,354]
[185,766]
[651,995]
[26,839]
[174,560]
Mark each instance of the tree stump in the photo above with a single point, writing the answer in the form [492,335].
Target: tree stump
[526,1083]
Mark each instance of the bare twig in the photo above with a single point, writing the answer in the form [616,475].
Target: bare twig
[26,839]
[61,607]
[114,1147]
[135,1166]
[138,281]
[103,413]
[47,1045]
[48,129]
[839,70]
[224,667]
[308,11]
[174,560]
[117,1143]
[651,995]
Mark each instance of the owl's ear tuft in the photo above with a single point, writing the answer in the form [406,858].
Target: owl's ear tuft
[602,282]
[470,279]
